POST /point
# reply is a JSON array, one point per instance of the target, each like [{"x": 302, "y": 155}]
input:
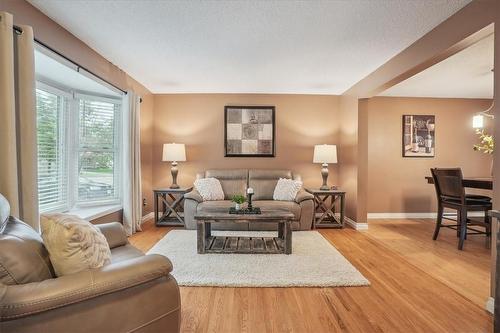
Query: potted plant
[{"x": 238, "y": 200}]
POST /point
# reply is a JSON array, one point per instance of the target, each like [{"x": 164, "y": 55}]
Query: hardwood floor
[
  {"x": 467, "y": 272},
  {"x": 417, "y": 285}
]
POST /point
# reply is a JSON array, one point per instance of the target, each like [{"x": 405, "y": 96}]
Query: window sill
[{"x": 94, "y": 212}]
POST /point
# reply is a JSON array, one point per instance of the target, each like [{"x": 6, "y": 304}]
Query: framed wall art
[
  {"x": 419, "y": 138},
  {"x": 249, "y": 131}
]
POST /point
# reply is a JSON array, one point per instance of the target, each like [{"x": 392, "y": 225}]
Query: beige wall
[
  {"x": 467, "y": 26},
  {"x": 396, "y": 184},
  {"x": 348, "y": 153},
  {"x": 197, "y": 120}
]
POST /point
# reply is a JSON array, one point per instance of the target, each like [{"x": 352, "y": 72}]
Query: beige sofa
[
  {"x": 236, "y": 181},
  {"x": 135, "y": 293}
]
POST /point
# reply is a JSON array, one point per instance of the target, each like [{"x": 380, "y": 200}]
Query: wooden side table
[
  {"x": 171, "y": 200},
  {"x": 325, "y": 208}
]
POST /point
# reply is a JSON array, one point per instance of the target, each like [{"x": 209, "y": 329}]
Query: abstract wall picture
[
  {"x": 419, "y": 135},
  {"x": 249, "y": 131}
]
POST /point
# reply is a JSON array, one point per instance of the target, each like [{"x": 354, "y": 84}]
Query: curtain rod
[{"x": 19, "y": 30}]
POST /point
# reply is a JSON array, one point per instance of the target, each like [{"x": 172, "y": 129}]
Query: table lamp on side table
[
  {"x": 174, "y": 152},
  {"x": 325, "y": 154}
]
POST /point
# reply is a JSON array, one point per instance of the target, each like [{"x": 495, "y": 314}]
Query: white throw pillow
[
  {"x": 210, "y": 189},
  {"x": 74, "y": 244},
  {"x": 286, "y": 189}
]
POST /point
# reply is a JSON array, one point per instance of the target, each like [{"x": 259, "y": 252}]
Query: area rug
[{"x": 314, "y": 262}]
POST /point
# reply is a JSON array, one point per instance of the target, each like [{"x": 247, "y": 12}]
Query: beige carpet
[{"x": 314, "y": 262}]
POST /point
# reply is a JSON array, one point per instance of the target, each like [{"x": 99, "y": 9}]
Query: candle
[{"x": 249, "y": 190}]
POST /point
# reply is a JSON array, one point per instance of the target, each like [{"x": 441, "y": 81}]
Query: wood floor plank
[
  {"x": 467, "y": 272},
  {"x": 413, "y": 288}
]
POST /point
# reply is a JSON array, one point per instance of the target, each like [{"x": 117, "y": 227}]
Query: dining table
[{"x": 484, "y": 183}]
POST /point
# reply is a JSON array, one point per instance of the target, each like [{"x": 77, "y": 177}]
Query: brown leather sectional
[{"x": 135, "y": 293}]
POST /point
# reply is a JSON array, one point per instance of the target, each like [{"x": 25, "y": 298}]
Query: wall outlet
[{"x": 144, "y": 202}]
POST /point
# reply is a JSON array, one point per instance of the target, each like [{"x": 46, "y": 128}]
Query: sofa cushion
[
  {"x": 215, "y": 206},
  {"x": 74, "y": 244},
  {"x": 209, "y": 189},
  {"x": 286, "y": 189},
  {"x": 233, "y": 181},
  {"x": 263, "y": 182},
  {"x": 23, "y": 257},
  {"x": 289, "y": 206},
  {"x": 125, "y": 252}
]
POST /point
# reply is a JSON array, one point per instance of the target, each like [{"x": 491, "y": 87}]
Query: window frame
[
  {"x": 40, "y": 85},
  {"x": 71, "y": 124},
  {"x": 117, "y": 148}
]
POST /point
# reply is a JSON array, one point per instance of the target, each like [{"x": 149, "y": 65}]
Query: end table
[
  {"x": 171, "y": 200},
  {"x": 325, "y": 211}
]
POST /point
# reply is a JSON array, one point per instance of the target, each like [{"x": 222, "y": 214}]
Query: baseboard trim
[
  {"x": 355, "y": 225},
  {"x": 147, "y": 217},
  {"x": 412, "y": 215},
  {"x": 490, "y": 305}
]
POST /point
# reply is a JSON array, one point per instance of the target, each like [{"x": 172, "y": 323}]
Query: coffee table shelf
[{"x": 235, "y": 244}]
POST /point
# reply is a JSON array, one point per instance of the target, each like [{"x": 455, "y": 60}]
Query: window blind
[
  {"x": 98, "y": 150},
  {"x": 52, "y": 166}
]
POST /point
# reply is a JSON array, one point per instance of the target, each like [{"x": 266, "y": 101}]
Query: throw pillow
[
  {"x": 210, "y": 189},
  {"x": 286, "y": 189},
  {"x": 74, "y": 244}
]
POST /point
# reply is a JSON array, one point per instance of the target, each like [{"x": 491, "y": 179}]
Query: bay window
[{"x": 79, "y": 157}]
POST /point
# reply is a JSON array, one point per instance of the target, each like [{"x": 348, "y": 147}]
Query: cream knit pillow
[
  {"x": 74, "y": 244},
  {"x": 209, "y": 188},
  {"x": 286, "y": 189}
]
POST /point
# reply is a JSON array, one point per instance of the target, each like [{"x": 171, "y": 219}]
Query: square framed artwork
[
  {"x": 419, "y": 135},
  {"x": 249, "y": 131}
]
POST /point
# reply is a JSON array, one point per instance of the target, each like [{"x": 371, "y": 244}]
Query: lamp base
[
  {"x": 324, "y": 175},
  {"x": 174, "y": 172}
]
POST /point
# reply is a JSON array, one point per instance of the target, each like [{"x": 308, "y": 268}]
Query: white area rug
[{"x": 314, "y": 262}]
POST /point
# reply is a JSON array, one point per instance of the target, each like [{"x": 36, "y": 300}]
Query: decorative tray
[{"x": 245, "y": 211}]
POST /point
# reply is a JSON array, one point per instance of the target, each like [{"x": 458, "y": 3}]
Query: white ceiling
[
  {"x": 313, "y": 47},
  {"x": 51, "y": 71},
  {"x": 466, "y": 74}
]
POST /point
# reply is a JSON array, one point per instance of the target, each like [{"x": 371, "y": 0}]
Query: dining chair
[{"x": 451, "y": 194}]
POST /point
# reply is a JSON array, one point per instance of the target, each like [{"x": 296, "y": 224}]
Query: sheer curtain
[
  {"x": 18, "y": 143},
  {"x": 132, "y": 192}
]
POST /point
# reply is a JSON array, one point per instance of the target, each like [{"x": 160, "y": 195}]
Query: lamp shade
[
  {"x": 478, "y": 121},
  {"x": 325, "y": 154},
  {"x": 174, "y": 152}
]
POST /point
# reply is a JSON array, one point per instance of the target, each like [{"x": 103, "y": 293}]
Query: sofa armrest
[
  {"x": 17, "y": 301},
  {"x": 114, "y": 233},
  {"x": 303, "y": 195},
  {"x": 193, "y": 195}
]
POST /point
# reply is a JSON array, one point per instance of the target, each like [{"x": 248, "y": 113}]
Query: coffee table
[{"x": 243, "y": 244}]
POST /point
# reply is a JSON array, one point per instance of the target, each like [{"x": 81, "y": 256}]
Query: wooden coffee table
[{"x": 240, "y": 244}]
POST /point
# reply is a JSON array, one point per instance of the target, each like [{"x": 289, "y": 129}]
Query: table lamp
[
  {"x": 325, "y": 154},
  {"x": 174, "y": 152}
]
